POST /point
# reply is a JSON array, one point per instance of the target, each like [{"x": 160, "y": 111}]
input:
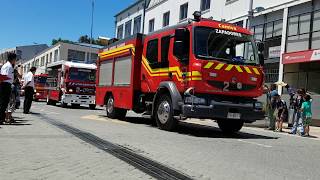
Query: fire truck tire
[
  {"x": 113, "y": 112},
  {"x": 49, "y": 101},
  {"x": 92, "y": 106},
  {"x": 63, "y": 104},
  {"x": 75, "y": 105},
  {"x": 230, "y": 126},
  {"x": 164, "y": 113}
]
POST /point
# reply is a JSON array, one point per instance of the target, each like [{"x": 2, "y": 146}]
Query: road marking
[
  {"x": 254, "y": 143},
  {"x": 98, "y": 118}
]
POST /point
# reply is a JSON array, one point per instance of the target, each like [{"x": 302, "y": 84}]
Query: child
[
  {"x": 306, "y": 114},
  {"x": 282, "y": 114}
]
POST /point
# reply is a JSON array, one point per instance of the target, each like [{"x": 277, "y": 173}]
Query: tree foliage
[{"x": 83, "y": 39}]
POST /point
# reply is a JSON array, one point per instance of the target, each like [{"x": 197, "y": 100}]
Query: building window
[
  {"x": 298, "y": 32},
  {"x": 42, "y": 61},
  {"x": 137, "y": 25},
  {"x": 74, "y": 55},
  {"x": 152, "y": 53},
  {"x": 315, "y": 44},
  {"x": 151, "y": 25},
  {"x": 183, "y": 11},
  {"x": 94, "y": 57},
  {"x": 127, "y": 29},
  {"x": 47, "y": 59},
  {"x": 205, "y": 5},
  {"x": 120, "y": 32},
  {"x": 55, "y": 58},
  {"x": 50, "y": 58},
  {"x": 166, "y": 19}
]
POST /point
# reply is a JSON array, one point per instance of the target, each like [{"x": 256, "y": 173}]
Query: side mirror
[
  {"x": 261, "y": 59},
  {"x": 181, "y": 44},
  {"x": 180, "y": 34},
  {"x": 178, "y": 49},
  {"x": 260, "y": 46}
]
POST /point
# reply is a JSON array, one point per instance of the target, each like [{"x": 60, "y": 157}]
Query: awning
[{"x": 301, "y": 56}]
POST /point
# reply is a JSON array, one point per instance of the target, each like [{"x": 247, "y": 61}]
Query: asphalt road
[{"x": 199, "y": 149}]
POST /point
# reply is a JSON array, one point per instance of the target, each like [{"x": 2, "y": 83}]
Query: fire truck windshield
[
  {"x": 40, "y": 80},
  {"x": 82, "y": 74},
  {"x": 223, "y": 45}
]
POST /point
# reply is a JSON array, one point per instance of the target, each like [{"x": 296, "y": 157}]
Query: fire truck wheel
[
  {"x": 92, "y": 106},
  {"x": 230, "y": 126},
  {"x": 63, "y": 104},
  {"x": 49, "y": 102},
  {"x": 113, "y": 112},
  {"x": 164, "y": 114},
  {"x": 75, "y": 105}
]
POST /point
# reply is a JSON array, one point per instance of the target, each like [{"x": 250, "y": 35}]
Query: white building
[
  {"x": 62, "y": 52},
  {"x": 130, "y": 20},
  {"x": 269, "y": 25},
  {"x": 290, "y": 30}
]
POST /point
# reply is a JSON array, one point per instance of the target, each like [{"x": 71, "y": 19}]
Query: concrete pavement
[
  {"x": 34, "y": 149},
  {"x": 197, "y": 148}
]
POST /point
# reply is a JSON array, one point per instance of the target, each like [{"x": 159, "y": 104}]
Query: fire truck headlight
[
  {"x": 70, "y": 90},
  {"x": 35, "y": 91},
  {"x": 195, "y": 100},
  {"x": 38, "y": 94},
  {"x": 254, "y": 79},
  {"x": 258, "y": 105}
]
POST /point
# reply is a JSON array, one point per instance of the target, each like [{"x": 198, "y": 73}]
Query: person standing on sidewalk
[
  {"x": 5, "y": 86},
  {"x": 271, "y": 106},
  {"x": 28, "y": 90},
  {"x": 306, "y": 114},
  {"x": 282, "y": 114},
  {"x": 298, "y": 122}
]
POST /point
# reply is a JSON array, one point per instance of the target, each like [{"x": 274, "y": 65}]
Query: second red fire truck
[
  {"x": 71, "y": 83},
  {"x": 40, "y": 83},
  {"x": 198, "y": 69}
]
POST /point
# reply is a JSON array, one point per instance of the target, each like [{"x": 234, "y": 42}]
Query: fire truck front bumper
[
  {"x": 78, "y": 99},
  {"x": 248, "y": 112}
]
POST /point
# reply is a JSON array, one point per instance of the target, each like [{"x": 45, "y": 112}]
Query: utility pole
[
  {"x": 250, "y": 14},
  {"x": 92, "y": 13}
]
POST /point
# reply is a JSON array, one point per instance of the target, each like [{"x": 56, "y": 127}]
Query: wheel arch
[
  {"x": 168, "y": 87},
  {"x": 106, "y": 96}
]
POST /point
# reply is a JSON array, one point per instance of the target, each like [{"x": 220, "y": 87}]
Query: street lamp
[
  {"x": 92, "y": 13},
  {"x": 251, "y": 12}
]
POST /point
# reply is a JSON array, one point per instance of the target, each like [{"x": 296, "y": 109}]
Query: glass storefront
[{"x": 303, "y": 75}]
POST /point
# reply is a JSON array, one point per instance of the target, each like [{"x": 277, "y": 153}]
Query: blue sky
[{"x": 24, "y": 22}]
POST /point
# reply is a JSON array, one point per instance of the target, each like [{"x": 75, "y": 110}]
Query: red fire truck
[
  {"x": 199, "y": 69},
  {"x": 40, "y": 83},
  {"x": 71, "y": 83}
]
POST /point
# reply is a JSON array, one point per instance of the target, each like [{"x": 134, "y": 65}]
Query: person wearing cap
[
  {"x": 5, "y": 86},
  {"x": 28, "y": 89}
]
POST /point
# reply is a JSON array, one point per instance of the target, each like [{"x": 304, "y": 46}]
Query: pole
[
  {"x": 92, "y": 13},
  {"x": 250, "y": 14}
]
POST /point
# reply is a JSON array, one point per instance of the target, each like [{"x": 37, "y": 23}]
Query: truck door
[{"x": 164, "y": 61}]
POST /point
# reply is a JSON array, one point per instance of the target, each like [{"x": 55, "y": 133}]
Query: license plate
[{"x": 234, "y": 115}]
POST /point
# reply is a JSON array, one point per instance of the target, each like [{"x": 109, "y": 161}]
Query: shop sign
[
  {"x": 303, "y": 56},
  {"x": 274, "y": 52}
]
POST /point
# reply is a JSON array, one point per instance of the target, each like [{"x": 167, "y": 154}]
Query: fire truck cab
[
  {"x": 40, "y": 83},
  {"x": 71, "y": 83},
  {"x": 199, "y": 69}
]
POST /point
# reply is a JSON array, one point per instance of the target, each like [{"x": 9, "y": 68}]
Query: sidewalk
[
  {"x": 34, "y": 149},
  {"x": 314, "y": 130}
]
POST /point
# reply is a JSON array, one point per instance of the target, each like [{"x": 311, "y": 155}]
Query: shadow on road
[
  {"x": 18, "y": 122},
  {"x": 198, "y": 130}
]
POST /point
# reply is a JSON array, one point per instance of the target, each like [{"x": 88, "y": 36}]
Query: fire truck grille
[{"x": 232, "y": 87}]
